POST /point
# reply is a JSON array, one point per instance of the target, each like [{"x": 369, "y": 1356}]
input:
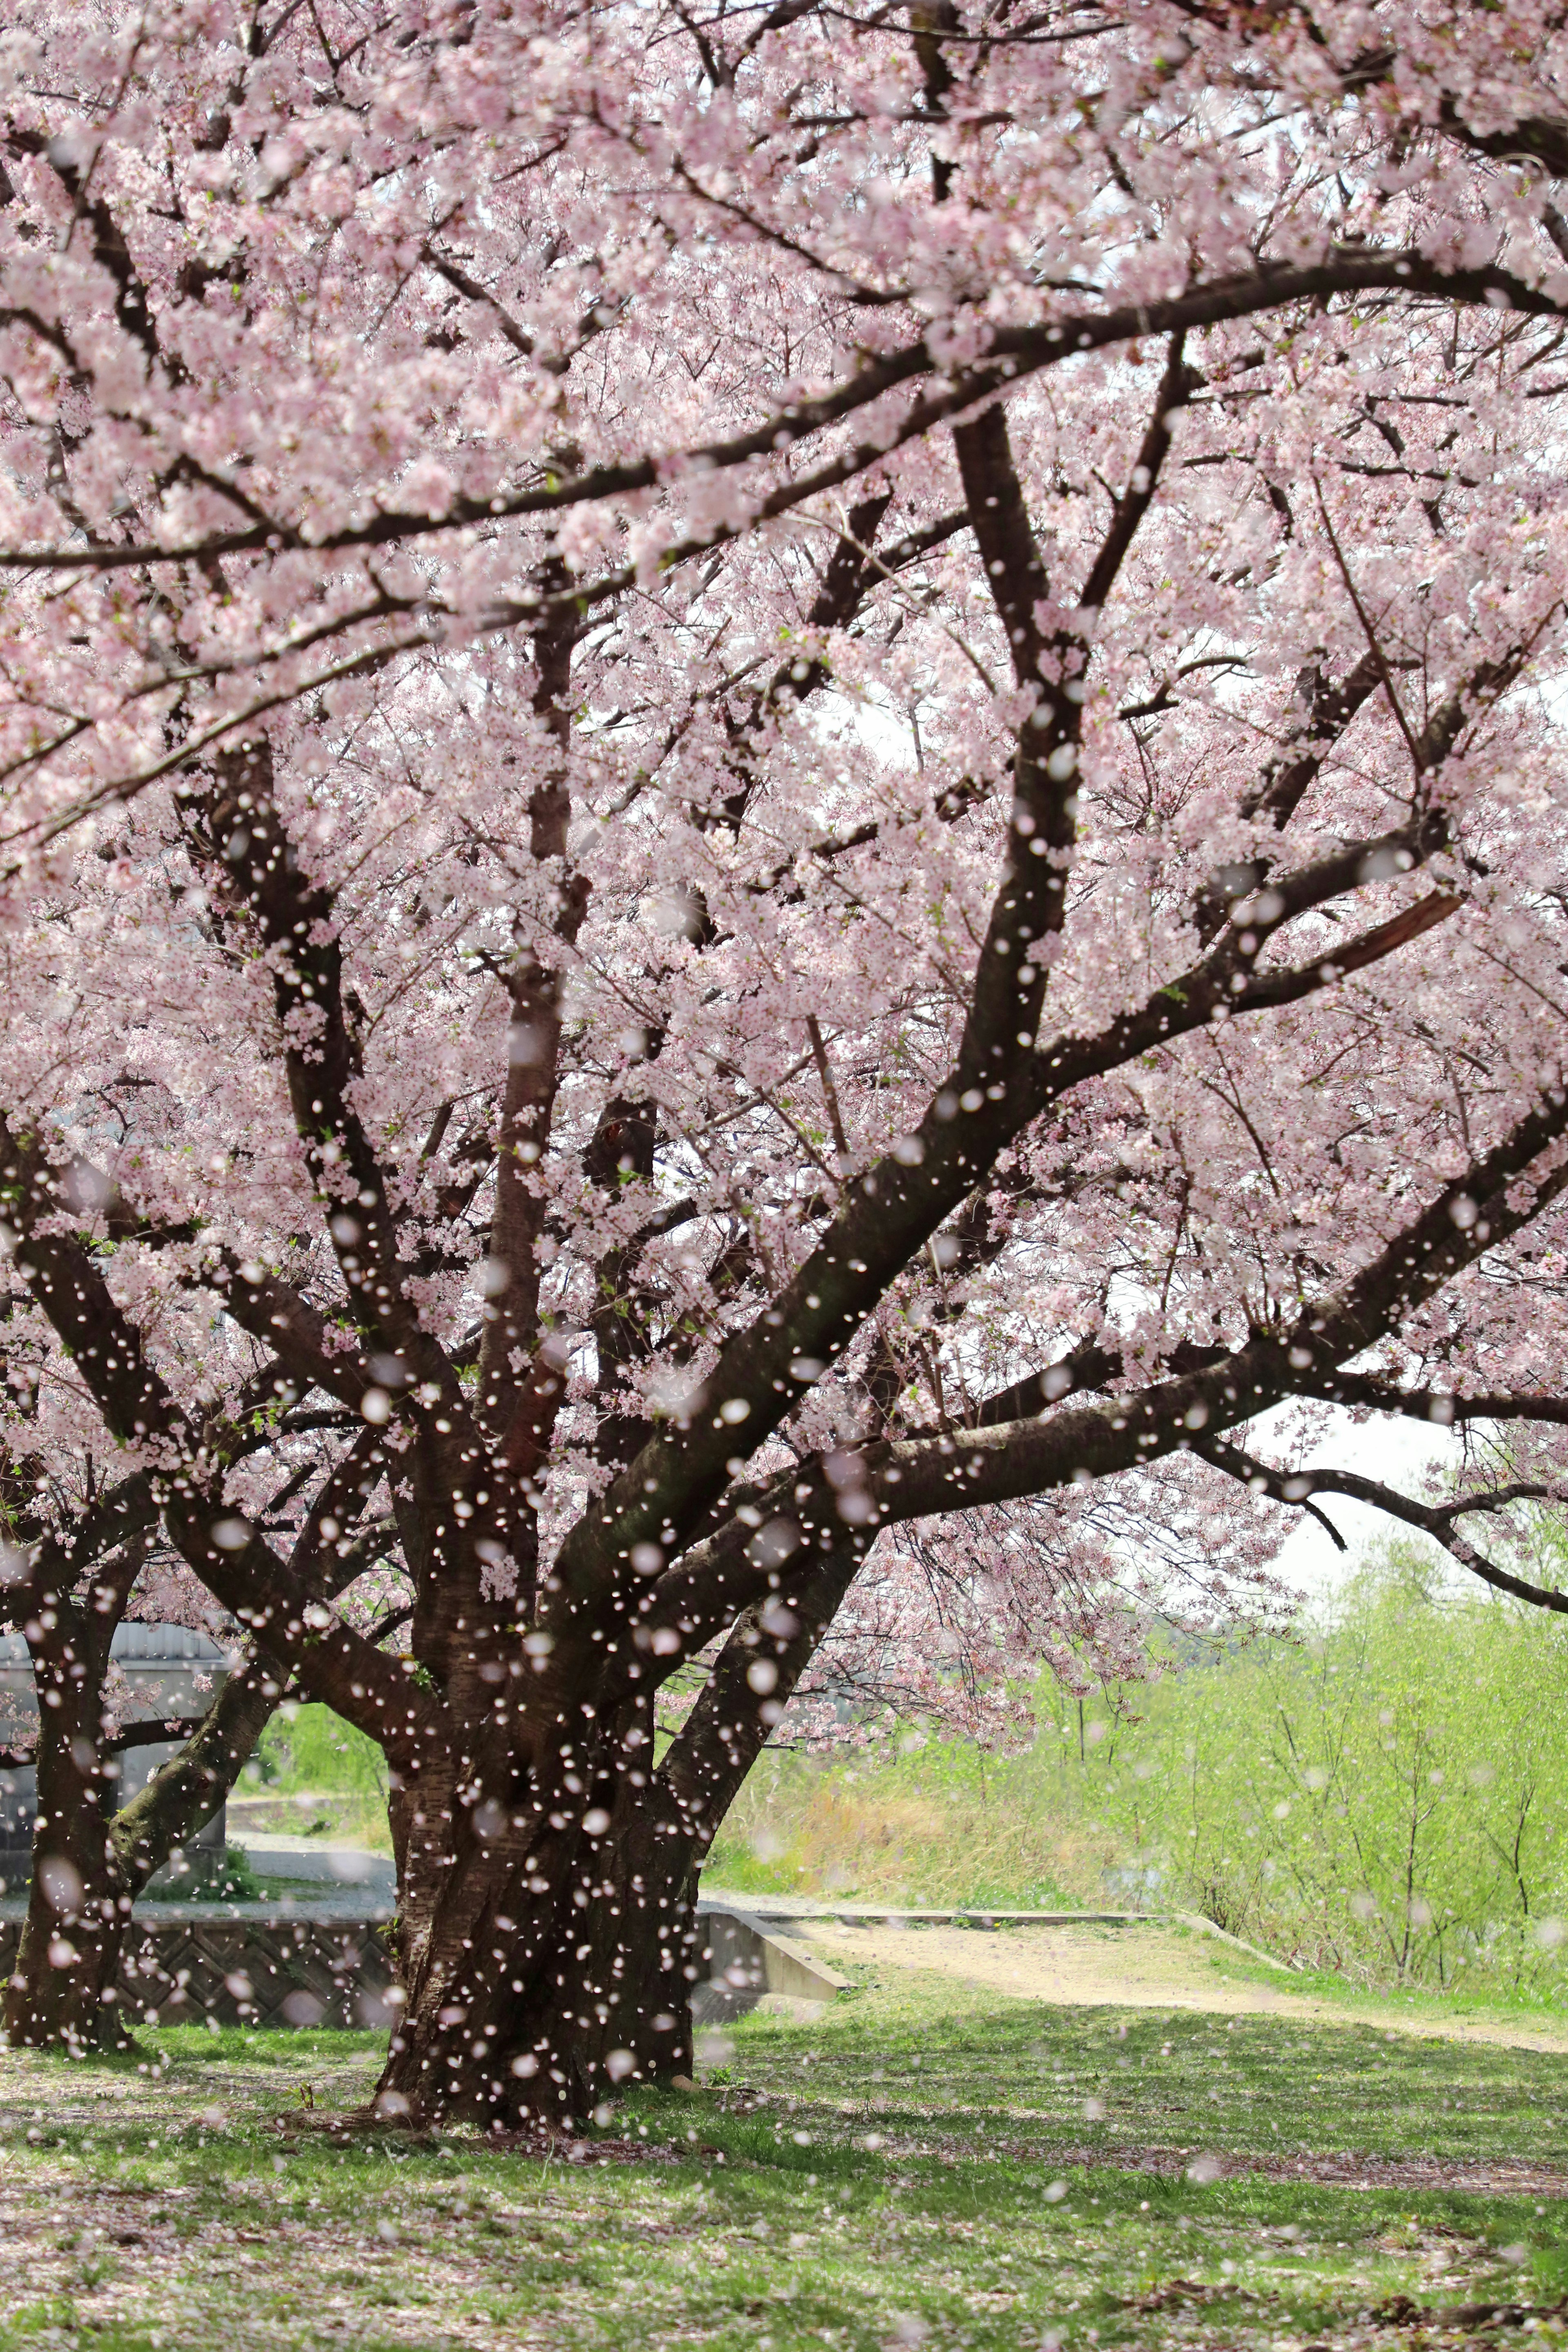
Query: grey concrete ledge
[
  {"x": 958, "y": 1914},
  {"x": 1202, "y": 1926},
  {"x": 346, "y": 1910},
  {"x": 303, "y": 1860},
  {"x": 801, "y": 1907},
  {"x": 748, "y": 1963}
]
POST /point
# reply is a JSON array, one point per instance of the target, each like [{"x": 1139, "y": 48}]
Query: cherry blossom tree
[
  {"x": 84, "y": 1553},
  {"x": 797, "y": 779}
]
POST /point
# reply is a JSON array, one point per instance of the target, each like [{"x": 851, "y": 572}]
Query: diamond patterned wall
[{"x": 256, "y": 1972}]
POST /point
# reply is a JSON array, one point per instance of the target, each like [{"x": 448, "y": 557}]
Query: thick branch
[
  {"x": 927, "y": 1476},
  {"x": 184, "y": 1793},
  {"x": 240, "y": 840},
  {"x": 1295, "y": 1488},
  {"x": 900, "y": 1204},
  {"x": 337, "y": 1665},
  {"x": 1013, "y": 353},
  {"x": 511, "y": 1405},
  {"x": 1443, "y": 1406},
  {"x": 769, "y": 1648}
]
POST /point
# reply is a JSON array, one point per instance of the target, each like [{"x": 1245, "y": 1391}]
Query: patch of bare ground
[
  {"x": 1137, "y": 1968},
  {"x": 119, "y": 2257}
]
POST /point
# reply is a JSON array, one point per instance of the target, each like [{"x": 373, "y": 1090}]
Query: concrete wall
[
  {"x": 171, "y": 1671},
  {"x": 746, "y": 1959},
  {"x": 242, "y": 1964},
  {"x": 320, "y": 1963}
]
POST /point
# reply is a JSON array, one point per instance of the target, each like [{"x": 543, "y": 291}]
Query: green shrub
[
  {"x": 1384, "y": 1793},
  {"x": 233, "y": 1882}
]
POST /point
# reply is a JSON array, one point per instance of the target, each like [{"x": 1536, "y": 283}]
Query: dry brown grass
[{"x": 822, "y": 1833}]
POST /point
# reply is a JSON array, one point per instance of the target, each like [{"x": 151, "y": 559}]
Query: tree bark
[
  {"x": 542, "y": 1969},
  {"x": 184, "y": 1793},
  {"x": 90, "y": 1862},
  {"x": 78, "y": 1902},
  {"x": 547, "y": 1965}
]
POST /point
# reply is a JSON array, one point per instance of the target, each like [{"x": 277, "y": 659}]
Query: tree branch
[
  {"x": 1297, "y": 1488},
  {"x": 928, "y": 1475},
  {"x": 1013, "y": 354},
  {"x": 1442, "y": 1406},
  {"x": 681, "y": 1473},
  {"x": 185, "y": 1480}
]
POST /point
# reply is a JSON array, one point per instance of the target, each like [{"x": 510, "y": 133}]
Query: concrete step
[{"x": 307, "y": 1862}]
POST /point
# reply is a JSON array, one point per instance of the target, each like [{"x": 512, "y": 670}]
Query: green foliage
[
  {"x": 1384, "y": 1795},
  {"x": 933, "y": 1821},
  {"x": 309, "y": 1752},
  {"x": 309, "y": 1747},
  {"x": 234, "y": 1882}
]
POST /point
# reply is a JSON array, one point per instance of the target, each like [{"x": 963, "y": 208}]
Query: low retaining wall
[
  {"x": 249, "y": 1964},
  {"x": 746, "y": 1959},
  {"x": 303, "y": 1962},
  {"x": 316, "y": 1963},
  {"x": 779, "y": 1909},
  {"x": 301, "y": 1863}
]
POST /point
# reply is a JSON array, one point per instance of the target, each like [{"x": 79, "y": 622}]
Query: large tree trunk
[
  {"x": 549, "y": 1963},
  {"x": 542, "y": 1966}
]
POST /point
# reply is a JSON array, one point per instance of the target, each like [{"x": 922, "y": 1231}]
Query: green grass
[
  {"x": 1486, "y": 2002},
  {"x": 309, "y": 1751},
  {"x": 916, "y": 2167}
]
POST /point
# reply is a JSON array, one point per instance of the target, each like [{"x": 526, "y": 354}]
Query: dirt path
[{"x": 1133, "y": 1967}]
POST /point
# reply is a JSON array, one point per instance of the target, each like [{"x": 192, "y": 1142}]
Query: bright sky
[{"x": 1395, "y": 1452}]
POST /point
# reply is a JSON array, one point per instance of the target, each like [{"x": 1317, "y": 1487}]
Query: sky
[{"x": 1395, "y": 1452}]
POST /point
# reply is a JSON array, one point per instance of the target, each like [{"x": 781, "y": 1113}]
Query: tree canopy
[{"x": 788, "y": 785}]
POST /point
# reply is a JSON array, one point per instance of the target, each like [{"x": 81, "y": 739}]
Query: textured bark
[
  {"x": 550, "y": 1963},
  {"x": 90, "y": 1862},
  {"x": 182, "y": 1796},
  {"x": 543, "y": 1969},
  {"x": 78, "y": 1902}
]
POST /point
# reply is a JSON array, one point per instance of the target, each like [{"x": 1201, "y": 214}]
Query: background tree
[
  {"x": 85, "y": 1553},
  {"x": 821, "y": 765},
  {"x": 1381, "y": 1794}
]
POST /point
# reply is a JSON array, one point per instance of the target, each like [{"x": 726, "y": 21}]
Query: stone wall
[
  {"x": 245, "y": 1964},
  {"x": 316, "y": 1963}
]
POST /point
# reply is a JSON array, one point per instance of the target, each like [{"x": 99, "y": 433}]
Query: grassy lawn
[{"x": 920, "y": 2166}]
